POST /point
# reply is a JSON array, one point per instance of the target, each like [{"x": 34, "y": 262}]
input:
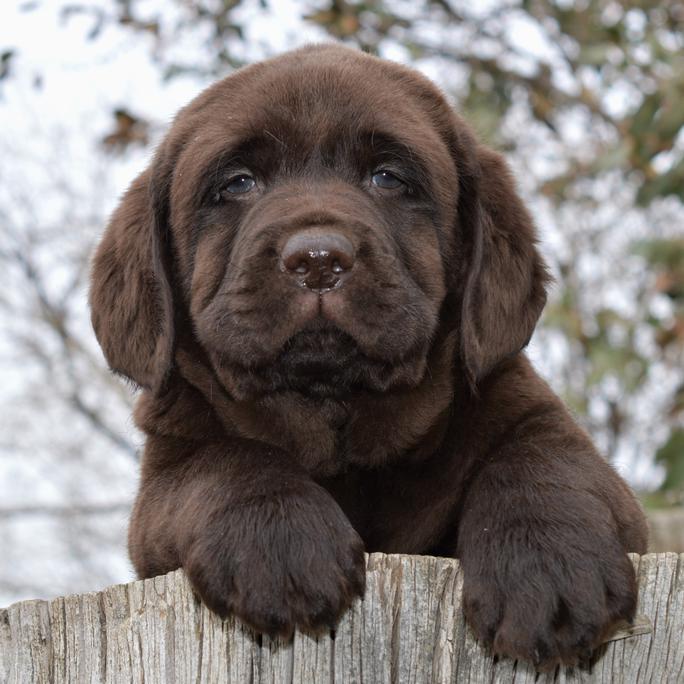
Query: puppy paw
[
  {"x": 550, "y": 606},
  {"x": 280, "y": 562}
]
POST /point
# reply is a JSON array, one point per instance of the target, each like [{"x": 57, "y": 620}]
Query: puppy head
[{"x": 317, "y": 223}]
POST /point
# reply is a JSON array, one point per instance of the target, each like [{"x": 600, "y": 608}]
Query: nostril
[
  {"x": 296, "y": 260},
  {"x": 342, "y": 259}
]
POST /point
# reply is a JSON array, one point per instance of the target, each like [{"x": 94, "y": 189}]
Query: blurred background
[{"x": 585, "y": 98}]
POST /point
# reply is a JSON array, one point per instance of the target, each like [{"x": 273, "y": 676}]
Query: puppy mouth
[
  {"x": 319, "y": 360},
  {"x": 322, "y": 361}
]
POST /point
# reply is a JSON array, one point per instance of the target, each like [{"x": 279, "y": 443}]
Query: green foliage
[
  {"x": 671, "y": 456},
  {"x": 666, "y": 258}
]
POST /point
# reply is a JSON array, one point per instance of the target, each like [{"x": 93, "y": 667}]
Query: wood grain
[{"x": 408, "y": 628}]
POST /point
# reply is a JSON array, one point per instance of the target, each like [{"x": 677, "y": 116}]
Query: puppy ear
[
  {"x": 505, "y": 284},
  {"x": 130, "y": 294}
]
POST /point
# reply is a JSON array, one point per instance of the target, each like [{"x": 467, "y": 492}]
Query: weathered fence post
[{"x": 408, "y": 628}]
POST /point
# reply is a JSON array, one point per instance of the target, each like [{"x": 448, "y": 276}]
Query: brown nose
[{"x": 318, "y": 260}]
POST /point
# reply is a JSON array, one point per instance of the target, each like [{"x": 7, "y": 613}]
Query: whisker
[{"x": 241, "y": 291}]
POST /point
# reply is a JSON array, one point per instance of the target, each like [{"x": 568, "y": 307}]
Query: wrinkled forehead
[{"x": 317, "y": 101}]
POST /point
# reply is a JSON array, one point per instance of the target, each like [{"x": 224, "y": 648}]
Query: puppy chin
[{"x": 320, "y": 362}]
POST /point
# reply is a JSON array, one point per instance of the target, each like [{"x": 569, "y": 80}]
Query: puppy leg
[
  {"x": 543, "y": 539},
  {"x": 255, "y": 535}
]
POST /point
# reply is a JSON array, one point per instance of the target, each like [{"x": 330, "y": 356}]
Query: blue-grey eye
[
  {"x": 239, "y": 185},
  {"x": 386, "y": 180}
]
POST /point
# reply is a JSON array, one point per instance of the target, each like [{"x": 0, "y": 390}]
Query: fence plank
[{"x": 409, "y": 628}]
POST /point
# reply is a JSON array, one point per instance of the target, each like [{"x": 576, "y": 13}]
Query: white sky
[{"x": 83, "y": 81}]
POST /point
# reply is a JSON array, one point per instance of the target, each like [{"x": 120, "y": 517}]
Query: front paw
[
  {"x": 549, "y": 604},
  {"x": 279, "y": 562}
]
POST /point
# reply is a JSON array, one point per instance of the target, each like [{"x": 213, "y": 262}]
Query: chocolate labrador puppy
[{"x": 323, "y": 284}]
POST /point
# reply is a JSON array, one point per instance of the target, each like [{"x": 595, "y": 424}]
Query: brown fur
[{"x": 287, "y": 429}]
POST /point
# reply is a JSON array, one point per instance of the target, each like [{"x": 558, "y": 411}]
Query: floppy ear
[
  {"x": 505, "y": 285},
  {"x": 130, "y": 294}
]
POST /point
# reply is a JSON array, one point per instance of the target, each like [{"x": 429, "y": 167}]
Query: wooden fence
[{"x": 408, "y": 628}]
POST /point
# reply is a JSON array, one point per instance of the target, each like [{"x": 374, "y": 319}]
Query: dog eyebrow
[
  {"x": 388, "y": 147},
  {"x": 387, "y": 142},
  {"x": 282, "y": 143},
  {"x": 241, "y": 151},
  {"x": 237, "y": 156},
  {"x": 395, "y": 139}
]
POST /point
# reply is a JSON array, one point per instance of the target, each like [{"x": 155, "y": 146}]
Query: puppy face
[
  {"x": 291, "y": 161},
  {"x": 317, "y": 222}
]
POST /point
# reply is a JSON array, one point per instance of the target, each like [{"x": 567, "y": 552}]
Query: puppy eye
[
  {"x": 386, "y": 180},
  {"x": 239, "y": 185}
]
